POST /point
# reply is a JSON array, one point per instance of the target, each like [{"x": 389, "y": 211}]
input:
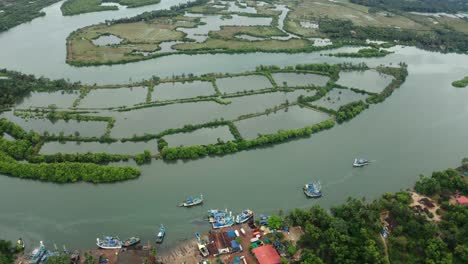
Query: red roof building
[
  {"x": 462, "y": 200},
  {"x": 266, "y": 255}
]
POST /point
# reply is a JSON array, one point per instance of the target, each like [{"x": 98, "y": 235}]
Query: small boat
[
  {"x": 360, "y": 162},
  {"x": 37, "y": 254},
  {"x": 20, "y": 244},
  {"x": 161, "y": 234},
  {"x": 192, "y": 201},
  {"x": 131, "y": 242},
  {"x": 201, "y": 246},
  {"x": 109, "y": 243},
  {"x": 203, "y": 250},
  {"x": 313, "y": 190},
  {"x": 244, "y": 216}
]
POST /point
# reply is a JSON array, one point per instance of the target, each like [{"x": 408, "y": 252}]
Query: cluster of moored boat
[
  {"x": 40, "y": 255},
  {"x": 111, "y": 242}
]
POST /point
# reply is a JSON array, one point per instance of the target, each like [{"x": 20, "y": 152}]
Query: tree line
[
  {"x": 350, "y": 233},
  {"x": 16, "y": 86},
  {"x": 223, "y": 148}
]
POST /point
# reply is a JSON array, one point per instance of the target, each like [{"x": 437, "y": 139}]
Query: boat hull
[
  {"x": 190, "y": 204},
  {"x": 313, "y": 195},
  {"x": 130, "y": 243}
]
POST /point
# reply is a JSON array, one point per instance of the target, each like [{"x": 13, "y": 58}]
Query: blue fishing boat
[
  {"x": 109, "y": 242},
  {"x": 189, "y": 202},
  {"x": 37, "y": 254},
  {"x": 313, "y": 190},
  {"x": 360, "y": 162},
  {"x": 213, "y": 214},
  {"x": 161, "y": 234},
  {"x": 224, "y": 221},
  {"x": 244, "y": 216}
]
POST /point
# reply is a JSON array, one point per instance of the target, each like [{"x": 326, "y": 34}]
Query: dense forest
[
  {"x": 429, "y": 6},
  {"x": 13, "y": 153},
  {"x": 16, "y": 12},
  {"x": 350, "y": 233},
  {"x": 15, "y": 85}
]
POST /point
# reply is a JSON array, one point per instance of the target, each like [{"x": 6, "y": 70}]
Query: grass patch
[
  {"x": 230, "y": 32},
  {"x": 246, "y": 46},
  {"x": 137, "y": 36}
]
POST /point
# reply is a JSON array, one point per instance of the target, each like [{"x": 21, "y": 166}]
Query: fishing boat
[
  {"x": 47, "y": 255},
  {"x": 202, "y": 246},
  {"x": 360, "y": 162},
  {"x": 37, "y": 254},
  {"x": 203, "y": 250},
  {"x": 224, "y": 221},
  {"x": 313, "y": 190},
  {"x": 131, "y": 242},
  {"x": 244, "y": 216},
  {"x": 161, "y": 234},
  {"x": 109, "y": 243},
  {"x": 213, "y": 214},
  {"x": 189, "y": 202},
  {"x": 20, "y": 244}
]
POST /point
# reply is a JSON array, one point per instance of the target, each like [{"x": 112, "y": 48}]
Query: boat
[
  {"x": 203, "y": 250},
  {"x": 313, "y": 190},
  {"x": 109, "y": 242},
  {"x": 360, "y": 162},
  {"x": 224, "y": 221},
  {"x": 245, "y": 216},
  {"x": 131, "y": 242},
  {"x": 189, "y": 202},
  {"x": 20, "y": 244},
  {"x": 37, "y": 254},
  {"x": 202, "y": 246},
  {"x": 213, "y": 214},
  {"x": 161, "y": 234}
]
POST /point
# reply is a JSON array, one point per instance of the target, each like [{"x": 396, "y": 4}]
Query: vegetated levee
[
  {"x": 75, "y": 7},
  {"x": 227, "y": 31},
  {"x": 228, "y": 109},
  {"x": 461, "y": 83}
]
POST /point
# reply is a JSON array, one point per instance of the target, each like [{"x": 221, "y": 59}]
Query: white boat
[
  {"x": 360, "y": 162},
  {"x": 109, "y": 243}
]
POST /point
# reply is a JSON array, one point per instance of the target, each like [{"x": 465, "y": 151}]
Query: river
[{"x": 421, "y": 128}]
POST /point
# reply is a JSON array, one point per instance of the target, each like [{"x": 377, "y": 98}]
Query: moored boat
[
  {"x": 213, "y": 214},
  {"x": 202, "y": 246},
  {"x": 224, "y": 221},
  {"x": 360, "y": 162},
  {"x": 109, "y": 242},
  {"x": 189, "y": 202},
  {"x": 20, "y": 244},
  {"x": 313, "y": 190},
  {"x": 37, "y": 254},
  {"x": 244, "y": 216},
  {"x": 161, "y": 234},
  {"x": 131, "y": 241}
]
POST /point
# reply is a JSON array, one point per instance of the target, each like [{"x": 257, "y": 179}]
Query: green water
[{"x": 421, "y": 128}]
